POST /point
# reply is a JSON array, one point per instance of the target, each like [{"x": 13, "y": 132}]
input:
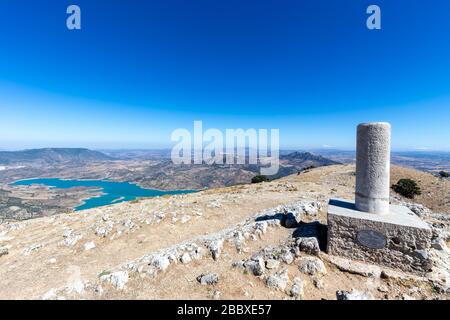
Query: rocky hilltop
[{"x": 252, "y": 241}]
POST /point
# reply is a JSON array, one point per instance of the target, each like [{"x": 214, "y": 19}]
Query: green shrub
[
  {"x": 407, "y": 188},
  {"x": 444, "y": 174},
  {"x": 258, "y": 179}
]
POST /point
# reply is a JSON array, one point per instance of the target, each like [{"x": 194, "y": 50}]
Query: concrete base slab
[{"x": 398, "y": 239}]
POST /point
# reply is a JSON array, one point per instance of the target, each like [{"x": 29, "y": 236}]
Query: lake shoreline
[{"x": 107, "y": 192}]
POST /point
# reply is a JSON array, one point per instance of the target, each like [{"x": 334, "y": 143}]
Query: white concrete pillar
[{"x": 373, "y": 152}]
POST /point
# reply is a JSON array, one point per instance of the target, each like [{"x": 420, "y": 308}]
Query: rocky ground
[
  {"x": 28, "y": 202},
  {"x": 260, "y": 241}
]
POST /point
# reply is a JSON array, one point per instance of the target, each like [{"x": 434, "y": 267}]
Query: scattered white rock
[
  {"x": 312, "y": 266},
  {"x": 216, "y": 295},
  {"x": 89, "y": 245},
  {"x": 309, "y": 245},
  {"x": 278, "y": 280},
  {"x": 71, "y": 239},
  {"x": 76, "y": 286},
  {"x": 67, "y": 233},
  {"x": 52, "y": 261},
  {"x": 161, "y": 262},
  {"x": 98, "y": 290},
  {"x": 353, "y": 295},
  {"x": 439, "y": 244},
  {"x": 214, "y": 204},
  {"x": 185, "y": 219},
  {"x": 287, "y": 257},
  {"x": 318, "y": 283},
  {"x": 398, "y": 275},
  {"x": 197, "y": 253},
  {"x": 104, "y": 230},
  {"x": 118, "y": 279},
  {"x": 272, "y": 264},
  {"x": 29, "y": 250},
  {"x": 261, "y": 226},
  {"x": 215, "y": 247},
  {"x": 383, "y": 288},
  {"x": 128, "y": 223},
  {"x": 312, "y": 208},
  {"x": 208, "y": 278},
  {"x": 297, "y": 288},
  {"x": 418, "y": 209},
  {"x": 3, "y": 251},
  {"x": 49, "y": 295},
  {"x": 255, "y": 266},
  {"x": 185, "y": 258}
]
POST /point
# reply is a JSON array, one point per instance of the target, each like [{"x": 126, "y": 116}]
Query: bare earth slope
[{"x": 156, "y": 248}]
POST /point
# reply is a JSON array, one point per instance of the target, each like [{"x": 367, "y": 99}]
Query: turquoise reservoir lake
[{"x": 112, "y": 192}]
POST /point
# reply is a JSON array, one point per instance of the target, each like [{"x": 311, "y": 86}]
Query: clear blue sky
[{"x": 139, "y": 69}]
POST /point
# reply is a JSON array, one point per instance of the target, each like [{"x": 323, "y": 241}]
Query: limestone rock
[
  {"x": 128, "y": 223},
  {"x": 255, "y": 266},
  {"x": 185, "y": 219},
  {"x": 89, "y": 245},
  {"x": 418, "y": 209},
  {"x": 287, "y": 257},
  {"x": 71, "y": 238},
  {"x": 312, "y": 266},
  {"x": 383, "y": 288},
  {"x": 76, "y": 286},
  {"x": 278, "y": 280},
  {"x": 208, "y": 278},
  {"x": 318, "y": 283},
  {"x": 309, "y": 245},
  {"x": 118, "y": 279},
  {"x": 215, "y": 247},
  {"x": 103, "y": 230},
  {"x": 161, "y": 262},
  {"x": 49, "y": 295},
  {"x": 353, "y": 295},
  {"x": 29, "y": 250},
  {"x": 439, "y": 244},
  {"x": 293, "y": 214},
  {"x": 356, "y": 267},
  {"x": 297, "y": 289},
  {"x": 272, "y": 264},
  {"x": 3, "y": 251},
  {"x": 185, "y": 258},
  {"x": 312, "y": 208}
]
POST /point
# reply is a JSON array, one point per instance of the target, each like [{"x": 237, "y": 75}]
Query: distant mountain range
[
  {"x": 52, "y": 155},
  {"x": 302, "y": 157},
  {"x": 150, "y": 169}
]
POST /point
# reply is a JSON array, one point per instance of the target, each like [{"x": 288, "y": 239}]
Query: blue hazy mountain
[{"x": 52, "y": 155}]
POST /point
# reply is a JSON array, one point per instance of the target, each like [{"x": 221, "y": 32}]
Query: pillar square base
[{"x": 398, "y": 239}]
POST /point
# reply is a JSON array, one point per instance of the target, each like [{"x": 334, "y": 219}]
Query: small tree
[
  {"x": 407, "y": 188},
  {"x": 444, "y": 174},
  {"x": 259, "y": 178}
]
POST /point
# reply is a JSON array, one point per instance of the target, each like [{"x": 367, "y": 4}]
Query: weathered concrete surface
[
  {"x": 373, "y": 149},
  {"x": 399, "y": 239}
]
